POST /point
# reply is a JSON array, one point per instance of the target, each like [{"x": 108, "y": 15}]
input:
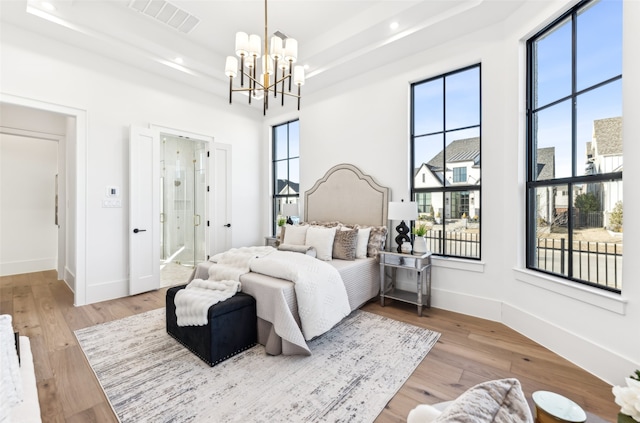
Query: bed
[{"x": 355, "y": 200}]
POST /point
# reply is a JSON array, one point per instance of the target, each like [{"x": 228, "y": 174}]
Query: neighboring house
[
  {"x": 462, "y": 167},
  {"x": 286, "y": 187},
  {"x": 546, "y": 203},
  {"x": 604, "y": 155}
]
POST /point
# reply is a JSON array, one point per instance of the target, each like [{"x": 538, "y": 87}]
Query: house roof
[
  {"x": 607, "y": 136},
  {"x": 546, "y": 163},
  {"x": 281, "y": 184},
  {"x": 458, "y": 151}
]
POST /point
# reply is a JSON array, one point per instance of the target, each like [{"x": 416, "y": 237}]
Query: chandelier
[{"x": 277, "y": 72}]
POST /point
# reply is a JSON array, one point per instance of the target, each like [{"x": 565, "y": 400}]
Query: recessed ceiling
[{"x": 338, "y": 39}]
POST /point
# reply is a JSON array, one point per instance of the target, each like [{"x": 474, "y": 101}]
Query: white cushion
[
  {"x": 363, "y": 241},
  {"x": 321, "y": 239},
  {"x": 295, "y": 235},
  {"x": 423, "y": 413}
]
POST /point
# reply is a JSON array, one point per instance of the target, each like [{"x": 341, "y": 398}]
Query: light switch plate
[{"x": 109, "y": 203}]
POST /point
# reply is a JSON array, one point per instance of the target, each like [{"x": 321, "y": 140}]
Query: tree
[
  {"x": 587, "y": 203},
  {"x": 615, "y": 219}
]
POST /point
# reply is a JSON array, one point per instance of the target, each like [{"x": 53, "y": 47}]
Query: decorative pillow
[
  {"x": 363, "y": 240},
  {"x": 499, "y": 401},
  {"x": 344, "y": 244},
  {"x": 295, "y": 234},
  {"x": 377, "y": 239},
  {"x": 321, "y": 239},
  {"x": 310, "y": 251},
  {"x": 332, "y": 224}
]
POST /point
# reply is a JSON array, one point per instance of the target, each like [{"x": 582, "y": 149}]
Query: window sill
[
  {"x": 594, "y": 296},
  {"x": 458, "y": 264}
]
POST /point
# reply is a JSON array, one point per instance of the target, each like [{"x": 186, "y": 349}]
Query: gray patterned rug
[{"x": 355, "y": 369}]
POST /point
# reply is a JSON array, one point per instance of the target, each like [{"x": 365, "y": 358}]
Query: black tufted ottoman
[{"x": 231, "y": 328}]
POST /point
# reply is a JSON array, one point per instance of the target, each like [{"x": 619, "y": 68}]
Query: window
[
  {"x": 445, "y": 152},
  {"x": 286, "y": 168},
  {"x": 574, "y": 146},
  {"x": 459, "y": 174}
]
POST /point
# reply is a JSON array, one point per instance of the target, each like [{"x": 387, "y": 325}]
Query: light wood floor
[{"x": 469, "y": 351}]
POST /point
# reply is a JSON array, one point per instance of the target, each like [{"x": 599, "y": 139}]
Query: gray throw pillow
[
  {"x": 344, "y": 244},
  {"x": 499, "y": 401}
]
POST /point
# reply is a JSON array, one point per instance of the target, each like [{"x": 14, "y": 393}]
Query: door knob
[
  {"x": 136, "y": 230},
  {"x": 228, "y": 225}
]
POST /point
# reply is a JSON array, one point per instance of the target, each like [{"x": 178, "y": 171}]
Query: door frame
[{"x": 76, "y": 177}]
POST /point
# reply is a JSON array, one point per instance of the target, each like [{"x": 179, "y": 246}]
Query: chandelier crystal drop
[{"x": 274, "y": 73}]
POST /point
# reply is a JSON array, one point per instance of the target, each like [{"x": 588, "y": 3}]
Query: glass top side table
[
  {"x": 553, "y": 408},
  {"x": 420, "y": 263}
]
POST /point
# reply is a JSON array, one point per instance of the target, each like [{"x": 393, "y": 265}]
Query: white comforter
[{"x": 320, "y": 292}]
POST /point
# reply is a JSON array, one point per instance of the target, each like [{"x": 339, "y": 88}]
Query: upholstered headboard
[{"x": 347, "y": 195}]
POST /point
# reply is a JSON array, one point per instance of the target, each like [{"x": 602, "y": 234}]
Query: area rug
[{"x": 354, "y": 370}]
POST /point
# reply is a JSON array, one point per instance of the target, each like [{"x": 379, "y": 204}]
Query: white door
[
  {"x": 144, "y": 210},
  {"x": 221, "y": 199}
]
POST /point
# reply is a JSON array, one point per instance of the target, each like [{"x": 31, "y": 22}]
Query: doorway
[{"x": 183, "y": 206}]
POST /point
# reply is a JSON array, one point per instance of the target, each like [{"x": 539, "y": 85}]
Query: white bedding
[
  {"x": 279, "y": 326},
  {"x": 320, "y": 292}
]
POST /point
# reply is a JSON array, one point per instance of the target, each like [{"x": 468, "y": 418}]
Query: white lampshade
[
  {"x": 231, "y": 67},
  {"x": 276, "y": 51},
  {"x": 403, "y": 210},
  {"x": 242, "y": 43},
  {"x": 290, "y": 209},
  {"x": 291, "y": 50},
  {"x": 255, "y": 46},
  {"x": 298, "y": 75}
]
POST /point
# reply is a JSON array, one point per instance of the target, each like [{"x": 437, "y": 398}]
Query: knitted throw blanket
[{"x": 193, "y": 302}]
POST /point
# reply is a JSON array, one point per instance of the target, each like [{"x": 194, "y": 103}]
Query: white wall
[
  {"x": 366, "y": 122},
  {"x": 115, "y": 97},
  {"x": 29, "y": 236}
]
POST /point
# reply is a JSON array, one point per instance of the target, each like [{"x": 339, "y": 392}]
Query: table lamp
[
  {"x": 290, "y": 209},
  {"x": 399, "y": 210}
]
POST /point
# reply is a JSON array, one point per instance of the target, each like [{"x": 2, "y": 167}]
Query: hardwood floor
[{"x": 470, "y": 351}]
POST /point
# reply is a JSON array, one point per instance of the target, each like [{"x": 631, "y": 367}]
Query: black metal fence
[
  {"x": 599, "y": 263},
  {"x": 462, "y": 244}
]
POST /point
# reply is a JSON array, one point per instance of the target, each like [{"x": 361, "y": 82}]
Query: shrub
[{"x": 615, "y": 219}]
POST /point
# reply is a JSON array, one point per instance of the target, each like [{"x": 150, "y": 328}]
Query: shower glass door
[{"x": 183, "y": 200}]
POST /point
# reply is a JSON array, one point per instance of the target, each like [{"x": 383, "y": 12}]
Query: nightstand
[
  {"x": 419, "y": 263},
  {"x": 271, "y": 241}
]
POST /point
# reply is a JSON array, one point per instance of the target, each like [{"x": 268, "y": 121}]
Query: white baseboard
[
  {"x": 594, "y": 358},
  {"x": 485, "y": 308},
  {"x": 28, "y": 411},
  {"x": 70, "y": 279},
  {"x": 27, "y": 266},
  {"x": 107, "y": 291}
]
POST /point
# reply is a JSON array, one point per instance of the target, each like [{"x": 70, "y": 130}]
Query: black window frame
[
  {"x": 276, "y": 197},
  {"x": 567, "y": 182},
  {"x": 448, "y": 187}
]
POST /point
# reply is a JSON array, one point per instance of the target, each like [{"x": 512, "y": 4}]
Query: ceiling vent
[{"x": 166, "y": 13}]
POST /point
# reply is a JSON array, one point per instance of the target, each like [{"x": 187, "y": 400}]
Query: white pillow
[
  {"x": 295, "y": 235},
  {"x": 363, "y": 240},
  {"x": 321, "y": 239}
]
